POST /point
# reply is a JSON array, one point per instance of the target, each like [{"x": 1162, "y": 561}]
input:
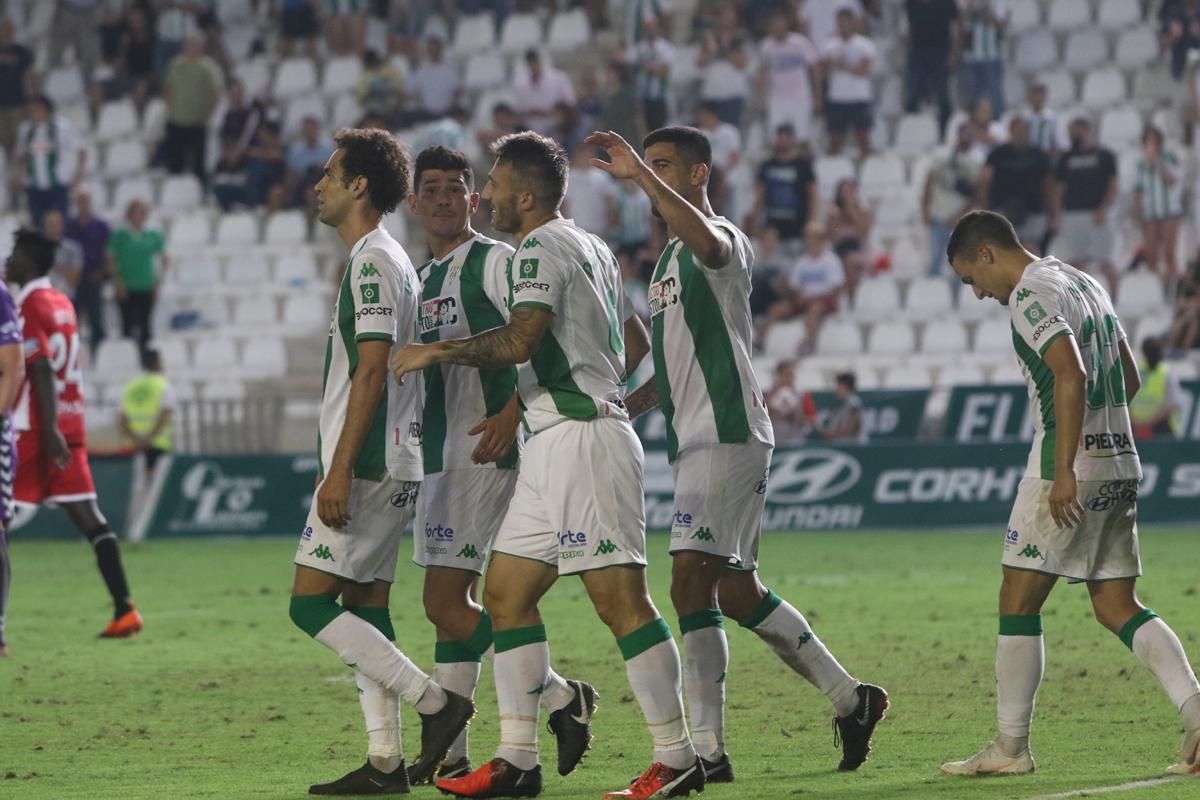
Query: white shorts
[
  {"x": 1104, "y": 546},
  {"x": 1083, "y": 240},
  {"x": 720, "y": 494},
  {"x": 579, "y": 503},
  {"x": 366, "y": 549},
  {"x": 458, "y": 514}
]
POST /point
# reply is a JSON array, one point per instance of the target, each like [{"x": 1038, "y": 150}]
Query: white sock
[
  {"x": 652, "y": 664},
  {"x": 1020, "y": 660},
  {"x": 705, "y": 662},
  {"x": 381, "y": 712},
  {"x": 460, "y": 677},
  {"x": 556, "y": 695},
  {"x": 521, "y": 668},
  {"x": 1157, "y": 646},
  {"x": 361, "y": 646},
  {"x": 787, "y": 632}
]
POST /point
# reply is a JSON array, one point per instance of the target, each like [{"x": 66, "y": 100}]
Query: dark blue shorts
[{"x": 845, "y": 117}]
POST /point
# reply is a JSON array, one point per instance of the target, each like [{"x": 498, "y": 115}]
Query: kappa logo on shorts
[
  {"x": 605, "y": 548},
  {"x": 703, "y": 534},
  {"x": 321, "y": 551},
  {"x": 1031, "y": 551},
  {"x": 468, "y": 551}
]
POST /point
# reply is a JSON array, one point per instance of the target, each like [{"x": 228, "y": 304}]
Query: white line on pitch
[{"x": 1120, "y": 787}]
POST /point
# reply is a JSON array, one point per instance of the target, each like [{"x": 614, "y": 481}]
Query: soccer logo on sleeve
[
  {"x": 370, "y": 294},
  {"x": 528, "y": 268},
  {"x": 1035, "y": 313}
]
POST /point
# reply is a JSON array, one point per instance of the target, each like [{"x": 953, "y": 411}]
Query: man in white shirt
[
  {"x": 819, "y": 17},
  {"x": 848, "y": 58},
  {"x": 591, "y": 193},
  {"x": 436, "y": 80},
  {"x": 811, "y": 289},
  {"x": 536, "y": 94},
  {"x": 790, "y": 77}
]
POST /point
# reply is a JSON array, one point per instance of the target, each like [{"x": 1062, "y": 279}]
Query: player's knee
[
  {"x": 692, "y": 591},
  {"x": 311, "y": 613}
]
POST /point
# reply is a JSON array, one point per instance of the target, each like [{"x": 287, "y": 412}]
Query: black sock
[{"x": 108, "y": 559}]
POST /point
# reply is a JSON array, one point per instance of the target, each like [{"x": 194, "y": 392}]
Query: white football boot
[{"x": 991, "y": 761}]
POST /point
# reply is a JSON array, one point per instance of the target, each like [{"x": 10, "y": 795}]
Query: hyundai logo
[{"x": 810, "y": 476}]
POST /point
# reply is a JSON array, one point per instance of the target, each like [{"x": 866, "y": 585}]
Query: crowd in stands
[{"x": 848, "y": 135}]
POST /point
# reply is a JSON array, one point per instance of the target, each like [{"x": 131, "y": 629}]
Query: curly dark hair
[
  {"x": 377, "y": 156},
  {"x": 441, "y": 157},
  {"x": 539, "y": 165},
  {"x": 40, "y": 247}
]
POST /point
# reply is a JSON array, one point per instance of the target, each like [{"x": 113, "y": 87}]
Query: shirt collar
[{"x": 31, "y": 287}]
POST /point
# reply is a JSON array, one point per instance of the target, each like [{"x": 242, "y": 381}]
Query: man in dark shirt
[
  {"x": 786, "y": 193},
  {"x": 15, "y": 85},
  {"x": 1180, "y": 32},
  {"x": 934, "y": 36},
  {"x": 1086, "y": 179},
  {"x": 1016, "y": 183},
  {"x": 92, "y": 234}
]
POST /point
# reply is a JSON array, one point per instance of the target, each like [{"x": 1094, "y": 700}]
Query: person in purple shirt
[
  {"x": 92, "y": 234},
  {"x": 12, "y": 374}
]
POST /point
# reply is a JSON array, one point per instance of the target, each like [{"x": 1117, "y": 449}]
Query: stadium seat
[
  {"x": 225, "y": 390},
  {"x": 247, "y": 271},
  {"x": 829, "y": 170},
  {"x": 123, "y": 158},
  {"x": 341, "y": 75},
  {"x": 1103, "y": 88},
  {"x": 189, "y": 231},
  {"x": 295, "y": 77},
  {"x": 237, "y": 230},
  {"x": 684, "y": 69},
  {"x": 961, "y": 374},
  {"x": 255, "y": 76},
  {"x": 520, "y": 32},
  {"x": 485, "y": 71},
  {"x": 1153, "y": 86},
  {"x": 286, "y": 227},
  {"x": 180, "y": 193},
  {"x": 891, "y": 338},
  {"x": 1120, "y": 127},
  {"x": 1136, "y": 48},
  {"x": 231, "y": 11},
  {"x": 1006, "y": 372},
  {"x": 154, "y": 120},
  {"x": 568, "y": 30},
  {"x": 1060, "y": 88},
  {"x": 890, "y": 103},
  {"x": 305, "y": 313},
  {"x": 1141, "y": 293},
  {"x": 80, "y": 117},
  {"x": 64, "y": 85},
  {"x": 1025, "y": 15},
  {"x": 253, "y": 314},
  {"x": 130, "y": 189},
  {"x": 839, "y": 337},
  {"x": 1068, "y": 15},
  {"x": 916, "y": 134},
  {"x": 307, "y": 105},
  {"x": 1086, "y": 48},
  {"x": 346, "y": 112},
  {"x": 1151, "y": 325},
  {"x": 944, "y": 336},
  {"x": 927, "y": 298},
  {"x": 173, "y": 351},
  {"x": 877, "y": 298},
  {"x": 198, "y": 271},
  {"x": 993, "y": 336},
  {"x": 784, "y": 339},
  {"x": 1036, "y": 51},
  {"x": 475, "y": 33},
  {"x": 215, "y": 355},
  {"x": 1118, "y": 15},
  {"x": 882, "y": 173},
  {"x": 905, "y": 377},
  {"x": 264, "y": 357},
  {"x": 117, "y": 359},
  {"x": 118, "y": 119},
  {"x": 296, "y": 270}
]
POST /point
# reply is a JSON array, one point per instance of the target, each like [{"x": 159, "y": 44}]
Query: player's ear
[{"x": 700, "y": 174}]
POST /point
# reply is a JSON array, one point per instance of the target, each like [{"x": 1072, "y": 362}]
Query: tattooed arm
[
  {"x": 642, "y": 399},
  {"x": 514, "y": 343}
]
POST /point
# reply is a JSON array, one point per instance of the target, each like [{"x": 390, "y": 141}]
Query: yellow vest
[
  {"x": 141, "y": 403},
  {"x": 1150, "y": 398}
]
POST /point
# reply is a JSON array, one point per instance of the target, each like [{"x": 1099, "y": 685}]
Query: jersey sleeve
[
  {"x": 375, "y": 291},
  {"x": 495, "y": 276},
  {"x": 1037, "y": 316},
  {"x": 37, "y": 341},
  {"x": 539, "y": 277},
  {"x": 741, "y": 257}
]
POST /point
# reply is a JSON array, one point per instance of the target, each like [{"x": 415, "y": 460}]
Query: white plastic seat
[
  {"x": 1136, "y": 48},
  {"x": 891, "y": 338},
  {"x": 305, "y": 312},
  {"x": 296, "y": 270},
  {"x": 905, "y": 377},
  {"x": 1141, "y": 293},
  {"x": 264, "y": 357},
  {"x": 993, "y": 336},
  {"x": 64, "y": 85},
  {"x": 215, "y": 355},
  {"x": 927, "y": 297},
  {"x": 237, "y": 230},
  {"x": 124, "y": 157},
  {"x": 1025, "y": 15},
  {"x": 117, "y": 359},
  {"x": 295, "y": 77},
  {"x": 1085, "y": 49},
  {"x": 1103, "y": 88},
  {"x": 890, "y": 102},
  {"x": 944, "y": 337},
  {"x": 247, "y": 272},
  {"x": 520, "y": 32},
  {"x": 877, "y": 298},
  {"x": 1152, "y": 325},
  {"x": 1120, "y": 127},
  {"x": 474, "y": 34},
  {"x": 346, "y": 112},
  {"x": 882, "y": 173},
  {"x": 1037, "y": 50},
  {"x": 254, "y": 314},
  {"x": 484, "y": 71},
  {"x": 341, "y": 75},
  {"x": 1060, "y": 88},
  {"x": 1068, "y": 15},
  {"x": 1118, "y": 15},
  {"x": 568, "y": 30},
  {"x": 286, "y": 227},
  {"x": 784, "y": 339},
  {"x": 829, "y": 170},
  {"x": 180, "y": 193},
  {"x": 173, "y": 351},
  {"x": 684, "y": 68},
  {"x": 839, "y": 337},
  {"x": 307, "y": 105},
  {"x": 1006, "y": 373},
  {"x": 1154, "y": 86},
  {"x": 199, "y": 271},
  {"x": 189, "y": 231},
  {"x": 227, "y": 390},
  {"x": 130, "y": 189},
  {"x": 961, "y": 374},
  {"x": 118, "y": 119},
  {"x": 916, "y": 134},
  {"x": 255, "y": 76}
]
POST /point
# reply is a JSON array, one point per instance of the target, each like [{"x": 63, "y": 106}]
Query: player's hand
[
  {"x": 623, "y": 161},
  {"x": 496, "y": 435},
  {"x": 412, "y": 358},
  {"x": 56, "y": 448},
  {"x": 333, "y": 499},
  {"x": 1064, "y": 501}
]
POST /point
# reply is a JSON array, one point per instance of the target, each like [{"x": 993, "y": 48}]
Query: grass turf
[{"x": 222, "y": 697}]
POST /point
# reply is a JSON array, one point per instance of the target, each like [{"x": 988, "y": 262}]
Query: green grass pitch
[{"x": 221, "y": 697}]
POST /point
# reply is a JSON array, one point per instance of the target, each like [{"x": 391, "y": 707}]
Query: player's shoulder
[
  {"x": 494, "y": 247},
  {"x": 378, "y": 250}
]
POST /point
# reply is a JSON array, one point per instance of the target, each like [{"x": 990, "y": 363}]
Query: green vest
[
  {"x": 141, "y": 403},
  {"x": 1150, "y": 398}
]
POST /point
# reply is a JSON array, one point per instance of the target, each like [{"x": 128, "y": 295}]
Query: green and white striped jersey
[
  {"x": 578, "y": 369},
  {"x": 52, "y": 149},
  {"x": 463, "y": 294},
  {"x": 985, "y": 41},
  {"x": 377, "y": 299},
  {"x": 1054, "y": 299},
  {"x": 701, "y": 339},
  {"x": 1159, "y": 200}
]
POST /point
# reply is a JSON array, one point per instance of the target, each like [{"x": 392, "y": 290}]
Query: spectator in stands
[
  {"x": 846, "y": 422},
  {"x": 639, "y": 16},
  {"x": 380, "y": 87},
  {"x": 299, "y": 23},
  {"x": 136, "y": 54},
  {"x": 305, "y": 163},
  {"x": 726, "y": 143},
  {"x": 630, "y": 222},
  {"x": 1185, "y": 328},
  {"x": 92, "y": 233},
  {"x": 435, "y": 81},
  {"x": 849, "y": 224},
  {"x": 133, "y": 254},
  {"x": 266, "y": 169},
  {"x": 725, "y": 67},
  {"x": 785, "y": 404},
  {"x": 566, "y": 128},
  {"x": 1158, "y": 204},
  {"x": 818, "y": 18},
  {"x": 589, "y": 99},
  {"x": 772, "y": 268},
  {"x": 1085, "y": 189},
  {"x": 982, "y": 73},
  {"x": 986, "y": 132},
  {"x": 786, "y": 194},
  {"x": 790, "y": 77},
  {"x": 619, "y": 108},
  {"x": 653, "y": 56},
  {"x": 18, "y": 83},
  {"x": 241, "y": 119},
  {"x": 50, "y": 159},
  {"x": 175, "y": 21},
  {"x": 934, "y": 34},
  {"x": 68, "y": 257},
  {"x": 1016, "y": 182},
  {"x": 848, "y": 58},
  {"x": 949, "y": 189},
  {"x": 591, "y": 193},
  {"x": 1044, "y": 129},
  {"x": 229, "y": 176},
  {"x": 1154, "y": 410},
  {"x": 77, "y": 25},
  {"x": 449, "y": 131},
  {"x": 1180, "y": 32},
  {"x": 812, "y": 290},
  {"x": 536, "y": 93},
  {"x": 191, "y": 90},
  {"x": 346, "y": 26}
]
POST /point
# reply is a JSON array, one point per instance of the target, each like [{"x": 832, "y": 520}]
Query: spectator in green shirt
[
  {"x": 191, "y": 90},
  {"x": 132, "y": 255}
]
